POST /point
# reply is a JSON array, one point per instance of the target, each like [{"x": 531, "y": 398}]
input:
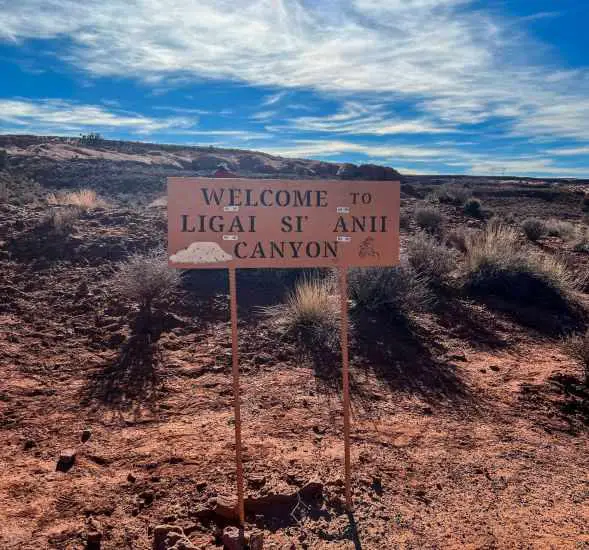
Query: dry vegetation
[{"x": 470, "y": 409}]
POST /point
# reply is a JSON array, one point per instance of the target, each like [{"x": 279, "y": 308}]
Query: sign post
[{"x": 235, "y": 223}]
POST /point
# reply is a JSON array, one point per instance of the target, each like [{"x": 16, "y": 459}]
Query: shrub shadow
[
  {"x": 132, "y": 378},
  {"x": 395, "y": 349}
]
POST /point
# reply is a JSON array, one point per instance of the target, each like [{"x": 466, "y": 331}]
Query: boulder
[
  {"x": 162, "y": 535},
  {"x": 232, "y": 539}
]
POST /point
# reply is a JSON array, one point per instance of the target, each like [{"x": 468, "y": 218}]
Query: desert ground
[{"x": 470, "y": 403}]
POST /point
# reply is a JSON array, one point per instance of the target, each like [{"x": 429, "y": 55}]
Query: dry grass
[
  {"x": 394, "y": 292},
  {"x": 427, "y": 256},
  {"x": 145, "y": 280},
  {"x": 61, "y": 221},
  {"x": 534, "y": 228},
  {"x": 497, "y": 264},
  {"x": 84, "y": 199},
  {"x": 451, "y": 193},
  {"x": 429, "y": 219},
  {"x": 560, "y": 228}
]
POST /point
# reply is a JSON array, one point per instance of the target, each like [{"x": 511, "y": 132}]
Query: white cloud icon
[{"x": 201, "y": 253}]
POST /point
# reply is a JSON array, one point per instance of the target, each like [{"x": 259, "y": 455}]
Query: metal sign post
[
  {"x": 343, "y": 279},
  {"x": 235, "y": 223},
  {"x": 236, "y": 394}
]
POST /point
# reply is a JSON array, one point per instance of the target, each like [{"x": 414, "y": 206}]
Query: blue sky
[{"x": 425, "y": 86}]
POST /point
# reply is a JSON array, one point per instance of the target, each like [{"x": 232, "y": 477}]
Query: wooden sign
[
  {"x": 233, "y": 223},
  {"x": 282, "y": 223}
]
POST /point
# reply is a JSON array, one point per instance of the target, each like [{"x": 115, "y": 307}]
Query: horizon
[{"x": 453, "y": 87}]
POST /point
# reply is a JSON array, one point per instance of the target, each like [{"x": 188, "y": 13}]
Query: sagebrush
[
  {"x": 427, "y": 256},
  {"x": 429, "y": 219}
]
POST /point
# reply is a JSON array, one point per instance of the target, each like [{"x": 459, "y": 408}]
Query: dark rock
[
  {"x": 255, "y": 482},
  {"x": 256, "y": 540},
  {"x": 312, "y": 490},
  {"x": 29, "y": 444},
  {"x": 131, "y": 478},
  {"x": 86, "y": 435},
  {"x": 66, "y": 460},
  {"x": 232, "y": 539},
  {"x": 147, "y": 496},
  {"x": 201, "y": 485},
  {"x": 93, "y": 540}
]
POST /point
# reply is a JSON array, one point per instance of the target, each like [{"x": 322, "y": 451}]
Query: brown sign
[{"x": 282, "y": 223}]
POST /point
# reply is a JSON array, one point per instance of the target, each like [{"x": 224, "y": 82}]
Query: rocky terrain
[{"x": 470, "y": 419}]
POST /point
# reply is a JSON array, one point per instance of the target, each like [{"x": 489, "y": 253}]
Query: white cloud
[
  {"x": 67, "y": 116},
  {"x": 454, "y": 63},
  {"x": 570, "y": 151},
  {"x": 366, "y": 119},
  {"x": 273, "y": 99}
]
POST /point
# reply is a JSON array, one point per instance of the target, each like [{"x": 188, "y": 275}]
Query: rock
[
  {"x": 161, "y": 533},
  {"x": 232, "y": 539},
  {"x": 347, "y": 171},
  {"x": 312, "y": 490},
  {"x": 201, "y": 485},
  {"x": 255, "y": 482},
  {"x": 131, "y": 478},
  {"x": 86, "y": 435},
  {"x": 224, "y": 508},
  {"x": 147, "y": 496},
  {"x": 203, "y": 512},
  {"x": 29, "y": 444},
  {"x": 183, "y": 544},
  {"x": 256, "y": 540},
  {"x": 66, "y": 460},
  {"x": 375, "y": 172},
  {"x": 93, "y": 540}
]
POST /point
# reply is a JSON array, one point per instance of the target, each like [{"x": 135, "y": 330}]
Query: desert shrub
[
  {"x": 560, "y": 228},
  {"x": 84, "y": 199},
  {"x": 577, "y": 346},
  {"x": 585, "y": 203},
  {"x": 404, "y": 220},
  {"x": 472, "y": 207},
  {"x": 498, "y": 265},
  {"x": 451, "y": 193},
  {"x": 145, "y": 281},
  {"x": 61, "y": 221},
  {"x": 534, "y": 228},
  {"x": 457, "y": 239},
  {"x": 393, "y": 292},
  {"x": 310, "y": 314},
  {"x": 427, "y": 256},
  {"x": 3, "y": 159},
  {"x": 430, "y": 219}
]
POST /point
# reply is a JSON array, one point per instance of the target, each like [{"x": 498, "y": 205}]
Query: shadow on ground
[{"x": 131, "y": 378}]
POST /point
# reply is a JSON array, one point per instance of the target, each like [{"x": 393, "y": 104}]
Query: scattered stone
[
  {"x": 203, "y": 512},
  {"x": 256, "y": 540},
  {"x": 147, "y": 496},
  {"x": 66, "y": 460},
  {"x": 257, "y": 481},
  {"x": 93, "y": 540},
  {"x": 29, "y": 444},
  {"x": 131, "y": 478},
  {"x": 161, "y": 533},
  {"x": 224, "y": 508},
  {"x": 232, "y": 539},
  {"x": 494, "y": 368},
  {"x": 171, "y": 518},
  {"x": 201, "y": 486}
]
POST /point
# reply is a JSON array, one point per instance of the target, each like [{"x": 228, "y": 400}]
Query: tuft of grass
[
  {"x": 84, "y": 199},
  {"x": 534, "y": 228},
  {"x": 560, "y": 228},
  {"x": 145, "y": 281},
  {"x": 577, "y": 346},
  {"x": 427, "y": 256},
  {"x": 498, "y": 265},
  {"x": 429, "y": 219},
  {"x": 457, "y": 239},
  {"x": 451, "y": 193},
  {"x": 393, "y": 292},
  {"x": 311, "y": 314},
  {"x": 472, "y": 207},
  {"x": 61, "y": 221}
]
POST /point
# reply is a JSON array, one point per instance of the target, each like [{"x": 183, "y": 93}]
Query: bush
[
  {"x": 585, "y": 203},
  {"x": 84, "y": 199},
  {"x": 61, "y": 221},
  {"x": 534, "y": 228},
  {"x": 451, "y": 193},
  {"x": 577, "y": 346},
  {"x": 430, "y": 219},
  {"x": 393, "y": 292},
  {"x": 429, "y": 257},
  {"x": 146, "y": 281},
  {"x": 457, "y": 239},
  {"x": 472, "y": 208},
  {"x": 310, "y": 313},
  {"x": 497, "y": 265},
  {"x": 560, "y": 228}
]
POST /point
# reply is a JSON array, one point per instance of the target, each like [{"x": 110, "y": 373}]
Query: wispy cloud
[
  {"x": 570, "y": 151},
  {"x": 273, "y": 99},
  {"x": 456, "y": 64},
  {"x": 66, "y": 116}
]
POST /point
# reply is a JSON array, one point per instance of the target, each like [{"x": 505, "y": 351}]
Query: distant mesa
[{"x": 201, "y": 253}]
